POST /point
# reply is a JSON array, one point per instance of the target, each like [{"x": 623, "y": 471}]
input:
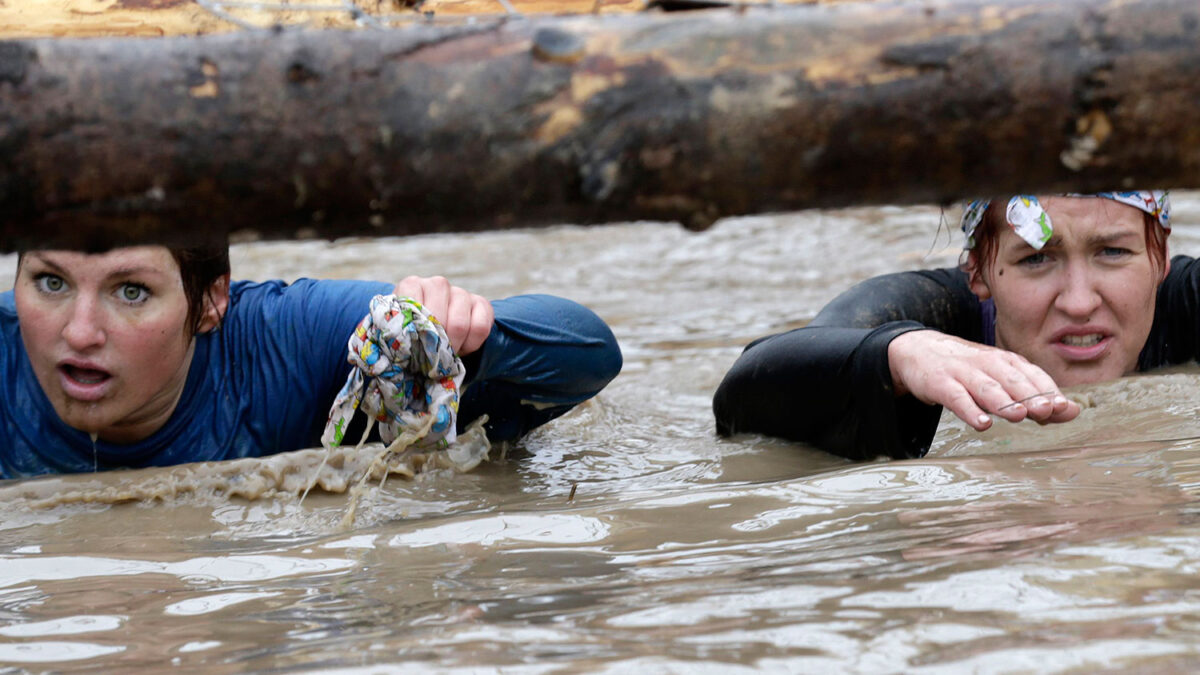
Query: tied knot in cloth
[{"x": 406, "y": 376}]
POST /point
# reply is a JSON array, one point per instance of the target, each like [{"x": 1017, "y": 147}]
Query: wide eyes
[
  {"x": 49, "y": 283},
  {"x": 134, "y": 293},
  {"x": 128, "y": 292}
]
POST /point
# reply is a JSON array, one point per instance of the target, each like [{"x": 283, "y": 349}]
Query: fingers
[
  {"x": 974, "y": 381},
  {"x": 1044, "y": 407},
  {"x": 468, "y": 320},
  {"x": 411, "y": 287},
  {"x": 1064, "y": 411},
  {"x": 963, "y": 405},
  {"x": 975, "y": 396},
  {"x": 1032, "y": 390},
  {"x": 466, "y": 317},
  {"x": 1028, "y": 391},
  {"x": 481, "y": 321},
  {"x": 1012, "y": 388}
]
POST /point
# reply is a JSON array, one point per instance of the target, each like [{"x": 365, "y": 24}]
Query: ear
[
  {"x": 975, "y": 277},
  {"x": 1166, "y": 261},
  {"x": 216, "y": 301}
]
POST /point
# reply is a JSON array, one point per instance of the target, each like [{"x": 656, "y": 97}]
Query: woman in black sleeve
[{"x": 1053, "y": 291}]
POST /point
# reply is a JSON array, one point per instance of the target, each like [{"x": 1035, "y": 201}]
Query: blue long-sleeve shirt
[{"x": 264, "y": 381}]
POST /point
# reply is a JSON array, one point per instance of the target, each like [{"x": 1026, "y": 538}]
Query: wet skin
[
  {"x": 1082, "y": 307},
  {"x": 107, "y": 337}
]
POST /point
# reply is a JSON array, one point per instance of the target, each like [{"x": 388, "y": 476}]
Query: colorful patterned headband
[{"x": 1031, "y": 222}]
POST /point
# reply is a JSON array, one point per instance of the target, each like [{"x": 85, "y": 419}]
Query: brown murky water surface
[{"x": 1022, "y": 549}]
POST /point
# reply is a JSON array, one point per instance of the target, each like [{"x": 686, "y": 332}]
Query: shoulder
[
  {"x": 1183, "y": 277},
  {"x": 306, "y": 294},
  {"x": 8, "y": 316},
  {"x": 302, "y": 312},
  {"x": 1183, "y": 265},
  {"x": 934, "y": 295},
  {"x": 8, "y": 306},
  {"x": 947, "y": 279}
]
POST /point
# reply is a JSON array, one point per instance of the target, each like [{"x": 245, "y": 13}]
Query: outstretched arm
[
  {"x": 974, "y": 381},
  {"x": 839, "y": 383},
  {"x": 828, "y": 386}
]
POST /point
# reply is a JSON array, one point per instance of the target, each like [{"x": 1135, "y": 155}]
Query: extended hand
[
  {"x": 467, "y": 317},
  {"x": 973, "y": 380}
]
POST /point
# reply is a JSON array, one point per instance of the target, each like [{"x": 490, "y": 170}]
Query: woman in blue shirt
[{"x": 149, "y": 356}]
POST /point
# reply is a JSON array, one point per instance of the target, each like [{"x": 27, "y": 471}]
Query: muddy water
[{"x": 1022, "y": 549}]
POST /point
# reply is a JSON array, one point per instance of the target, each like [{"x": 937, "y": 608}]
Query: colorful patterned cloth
[
  {"x": 1031, "y": 222},
  {"x": 406, "y": 376}
]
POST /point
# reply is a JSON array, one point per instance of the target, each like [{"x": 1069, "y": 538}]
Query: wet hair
[
  {"x": 199, "y": 268},
  {"x": 987, "y": 245}
]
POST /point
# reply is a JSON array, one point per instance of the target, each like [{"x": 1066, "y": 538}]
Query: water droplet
[{"x": 95, "y": 460}]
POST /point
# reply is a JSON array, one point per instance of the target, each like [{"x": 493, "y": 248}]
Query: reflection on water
[{"x": 626, "y": 535}]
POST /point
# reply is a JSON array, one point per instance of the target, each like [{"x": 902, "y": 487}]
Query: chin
[
  {"x": 1075, "y": 376},
  {"x": 86, "y": 426},
  {"x": 87, "y": 421}
]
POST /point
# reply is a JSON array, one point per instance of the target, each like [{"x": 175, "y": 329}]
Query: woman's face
[
  {"x": 1082, "y": 307},
  {"x": 106, "y": 336}
]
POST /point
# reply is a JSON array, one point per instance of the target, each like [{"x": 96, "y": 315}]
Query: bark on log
[{"x": 595, "y": 119}]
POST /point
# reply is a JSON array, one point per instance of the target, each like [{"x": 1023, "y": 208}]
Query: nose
[
  {"x": 1078, "y": 297},
  {"x": 84, "y": 328}
]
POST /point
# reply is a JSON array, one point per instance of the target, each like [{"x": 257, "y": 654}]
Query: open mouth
[
  {"x": 1090, "y": 340},
  {"x": 84, "y": 375}
]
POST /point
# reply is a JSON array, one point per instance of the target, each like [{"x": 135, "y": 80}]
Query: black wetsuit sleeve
[
  {"x": 829, "y": 383},
  {"x": 1175, "y": 335}
]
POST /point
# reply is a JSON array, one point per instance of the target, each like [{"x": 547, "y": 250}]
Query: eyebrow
[
  {"x": 119, "y": 272},
  {"x": 44, "y": 260},
  {"x": 1096, "y": 239}
]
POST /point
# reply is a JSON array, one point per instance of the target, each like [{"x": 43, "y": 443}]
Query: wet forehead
[{"x": 1085, "y": 220}]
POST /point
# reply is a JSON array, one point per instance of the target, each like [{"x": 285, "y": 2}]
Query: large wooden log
[{"x": 595, "y": 119}]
